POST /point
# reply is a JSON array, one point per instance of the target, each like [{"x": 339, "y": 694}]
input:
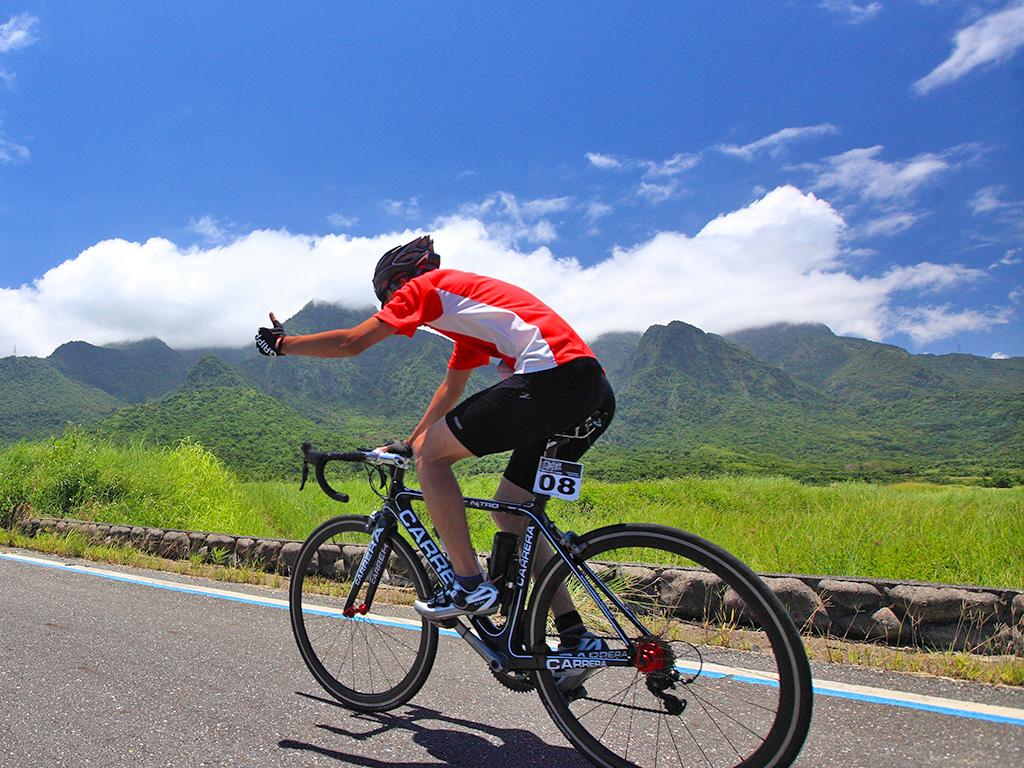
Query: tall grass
[
  {"x": 950, "y": 534},
  {"x": 182, "y": 487}
]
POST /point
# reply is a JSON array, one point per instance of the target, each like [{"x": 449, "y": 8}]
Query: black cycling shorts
[{"x": 523, "y": 411}]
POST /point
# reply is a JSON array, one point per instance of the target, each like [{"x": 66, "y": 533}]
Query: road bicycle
[{"x": 701, "y": 664}]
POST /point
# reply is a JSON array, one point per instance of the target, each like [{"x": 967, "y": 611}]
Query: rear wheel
[
  {"x": 371, "y": 662},
  {"x": 719, "y": 677}
]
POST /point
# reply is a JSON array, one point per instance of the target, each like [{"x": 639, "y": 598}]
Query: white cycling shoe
[{"x": 455, "y": 602}]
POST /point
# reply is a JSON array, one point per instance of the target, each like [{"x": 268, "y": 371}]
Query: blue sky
[{"x": 178, "y": 169}]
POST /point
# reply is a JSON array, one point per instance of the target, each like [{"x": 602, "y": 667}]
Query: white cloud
[
  {"x": 675, "y": 165},
  {"x": 987, "y": 199},
  {"x": 854, "y": 13},
  {"x": 927, "y": 324},
  {"x": 604, "y": 162},
  {"x": 655, "y": 193},
  {"x": 859, "y": 172},
  {"x": 12, "y": 153},
  {"x": 210, "y": 230},
  {"x": 341, "y": 221},
  {"x": 18, "y": 32},
  {"x": 512, "y": 220},
  {"x": 596, "y": 210},
  {"x": 651, "y": 169},
  {"x": 990, "y": 40},
  {"x": 1000, "y": 356},
  {"x": 1011, "y": 258},
  {"x": 777, "y": 140},
  {"x": 409, "y": 209},
  {"x": 777, "y": 260},
  {"x": 890, "y": 224}
]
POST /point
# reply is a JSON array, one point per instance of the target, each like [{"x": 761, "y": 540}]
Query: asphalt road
[{"x": 96, "y": 671}]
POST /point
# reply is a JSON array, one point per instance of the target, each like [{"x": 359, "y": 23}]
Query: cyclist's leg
[
  {"x": 512, "y": 493},
  {"x": 518, "y": 478},
  {"x": 435, "y": 453}
]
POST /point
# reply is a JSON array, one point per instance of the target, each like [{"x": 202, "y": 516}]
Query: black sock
[{"x": 570, "y": 629}]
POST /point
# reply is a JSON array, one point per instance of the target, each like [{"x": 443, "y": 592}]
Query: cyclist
[{"x": 552, "y": 383}]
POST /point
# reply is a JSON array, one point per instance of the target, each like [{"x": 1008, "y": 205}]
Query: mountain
[
  {"x": 251, "y": 432},
  {"x": 858, "y": 368},
  {"x": 786, "y": 399},
  {"x": 38, "y": 399},
  {"x": 210, "y": 372},
  {"x": 683, "y": 390},
  {"x": 133, "y": 372},
  {"x": 954, "y": 410}
]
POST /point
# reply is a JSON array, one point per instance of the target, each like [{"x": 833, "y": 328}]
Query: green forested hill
[
  {"x": 790, "y": 399},
  {"x": 38, "y": 400},
  {"x": 250, "y": 431},
  {"x": 133, "y": 372}
]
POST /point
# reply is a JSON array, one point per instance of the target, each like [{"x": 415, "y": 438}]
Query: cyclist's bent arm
[
  {"x": 444, "y": 399},
  {"x": 344, "y": 342}
]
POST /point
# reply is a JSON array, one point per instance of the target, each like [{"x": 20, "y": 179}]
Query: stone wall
[{"x": 933, "y": 616}]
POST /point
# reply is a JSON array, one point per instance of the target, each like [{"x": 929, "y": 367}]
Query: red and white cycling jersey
[{"x": 485, "y": 318}]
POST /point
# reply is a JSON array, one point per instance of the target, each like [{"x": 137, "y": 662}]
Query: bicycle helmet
[{"x": 405, "y": 261}]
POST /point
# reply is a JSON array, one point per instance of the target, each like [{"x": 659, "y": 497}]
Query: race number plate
[{"x": 558, "y": 478}]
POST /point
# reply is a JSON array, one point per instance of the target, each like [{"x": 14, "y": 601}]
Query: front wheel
[
  {"x": 718, "y": 674},
  {"x": 373, "y": 661}
]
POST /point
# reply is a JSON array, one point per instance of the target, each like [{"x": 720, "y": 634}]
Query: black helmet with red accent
[{"x": 404, "y": 263}]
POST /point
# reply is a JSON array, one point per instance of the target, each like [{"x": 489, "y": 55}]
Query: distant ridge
[{"x": 784, "y": 399}]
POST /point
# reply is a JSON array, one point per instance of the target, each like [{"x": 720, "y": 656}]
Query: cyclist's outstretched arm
[
  {"x": 445, "y": 398},
  {"x": 344, "y": 342}
]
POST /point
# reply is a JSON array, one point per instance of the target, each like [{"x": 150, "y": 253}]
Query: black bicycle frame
[{"x": 502, "y": 647}]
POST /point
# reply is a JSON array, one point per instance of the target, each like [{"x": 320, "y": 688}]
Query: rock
[
  {"x": 397, "y": 574},
  {"x": 119, "y": 534},
  {"x": 196, "y": 541},
  {"x": 637, "y": 582},
  {"x": 244, "y": 549},
  {"x": 802, "y": 602},
  {"x": 1006, "y": 641},
  {"x": 734, "y": 610},
  {"x": 219, "y": 541},
  {"x": 885, "y": 625},
  {"x": 151, "y": 542},
  {"x": 351, "y": 556},
  {"x": 850, "y": 595},
  {"x": 1017, "y": 609},
  {"x": 938, "y": 605},
  {"x": 266, "y": 553},
  {"x": 137, "y": 537},
  {"x": 328, "y": 555},
  {"x": 174, "y": 545},
  {"x": 954, "y": 636},
  {"x": 691, "y": 594},
  {"x": 289, "y": 554}
]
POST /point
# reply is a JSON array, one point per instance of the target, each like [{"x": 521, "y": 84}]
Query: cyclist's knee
[{"x": 438, "y": 447}]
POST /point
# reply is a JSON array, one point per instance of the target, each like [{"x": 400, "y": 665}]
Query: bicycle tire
[
  {"x": 371, "y": 663},
  {"x": 728, "y": 635}
]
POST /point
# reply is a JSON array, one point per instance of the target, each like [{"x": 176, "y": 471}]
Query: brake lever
[{"x": 305, "y": 474}]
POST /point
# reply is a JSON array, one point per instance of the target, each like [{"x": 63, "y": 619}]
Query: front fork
[{"x": 371, "y": 567}]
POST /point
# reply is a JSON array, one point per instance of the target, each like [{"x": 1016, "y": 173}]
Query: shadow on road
[{"x": 453, "y": 741}]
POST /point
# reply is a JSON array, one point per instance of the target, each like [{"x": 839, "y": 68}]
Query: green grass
[{"x": 951, "y": 534}]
